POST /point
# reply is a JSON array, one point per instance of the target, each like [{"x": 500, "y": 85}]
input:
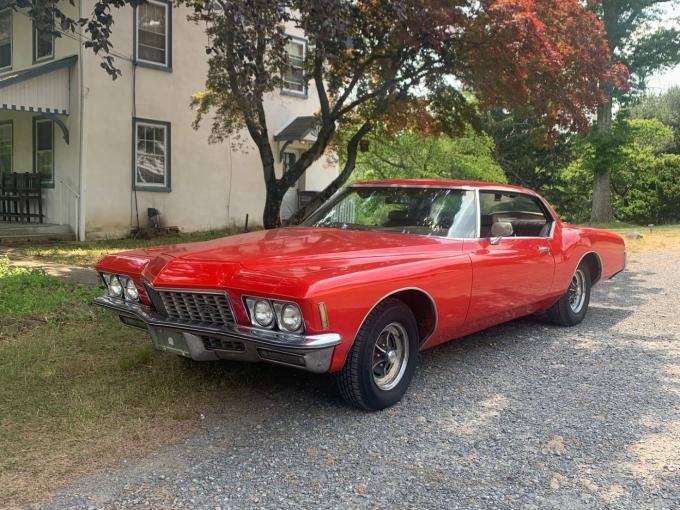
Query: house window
[
  {"x": 289, "y": 159},
  {"x": 5, "y": 39},
  {"x": 152, "y": 155},
  {"x": 43, "y": 44},
  {"x": 6, "y": 147},
  {"x": 293, "y": 77},
  {"x": 153, "y": 38},
  {"x": 43, "y": 150}
]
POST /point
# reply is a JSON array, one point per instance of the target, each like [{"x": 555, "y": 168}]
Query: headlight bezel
[
  {"x": 112, "y": 292},
  {"x": 268, "y": 312},
  {"x": 124, "y": 282},
  {"x": 280, "y": 310},
  {"x": 129, "y": 295},
  {"x": 277, "y": 307}
]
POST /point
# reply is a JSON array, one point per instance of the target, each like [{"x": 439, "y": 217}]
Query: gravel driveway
[{"x": 525, "y": 415}]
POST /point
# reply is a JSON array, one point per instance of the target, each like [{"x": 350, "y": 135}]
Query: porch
[
  {"x": 39, "y": 162},
  {"x": 15, "y": 233}
]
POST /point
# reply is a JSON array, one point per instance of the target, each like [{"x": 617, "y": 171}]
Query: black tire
[
  {"x": 357, "y": 381},
  {"x": 563, "y": 313}
]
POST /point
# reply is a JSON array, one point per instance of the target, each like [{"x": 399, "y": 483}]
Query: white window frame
[
  {"x": 36, "y": 58},
  {"x": 11, "y": 41},
  {"x": 293, "y": 92},
  {"x": 145, "y": 186},
  {"x": 167, "y": 64},
  {"x": 10, "y": 124}
]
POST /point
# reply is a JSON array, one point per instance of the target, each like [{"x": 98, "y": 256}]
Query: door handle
[{"x": 543, "y": 249}]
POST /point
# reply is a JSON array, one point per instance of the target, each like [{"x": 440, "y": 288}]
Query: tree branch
[
  {"x": 318, "y": 81},
  {"x": 352, "y": 151},
  {"x": 357, "y": 75},
  {"x": 383, "y": 89}
]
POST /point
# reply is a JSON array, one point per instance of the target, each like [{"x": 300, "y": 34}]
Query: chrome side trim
[
  {"x": 478, "y": 208},
  {"x": 418, "y": 186},
  {"x": 277, "y": 339},
  {"x": 434, "y": 306}
]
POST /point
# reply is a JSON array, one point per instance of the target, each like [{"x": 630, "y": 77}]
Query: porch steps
[{"x": 16, "y": 233}]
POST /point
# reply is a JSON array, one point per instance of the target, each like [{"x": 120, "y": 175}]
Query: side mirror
[{"x": 499, "y": 230}]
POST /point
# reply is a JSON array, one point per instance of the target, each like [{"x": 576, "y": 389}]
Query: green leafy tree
[
  {"x": 533, "y": 157},
  {"x": 412, "y": 155},
  {"x": 637, "y": 40},
  {"x": 664, "y": 107},
  {"x": 645, "y": 179}
]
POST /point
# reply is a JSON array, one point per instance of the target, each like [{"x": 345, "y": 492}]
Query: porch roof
[
  {"x": 42, "y": 89},
  {"x": 298, "y": 129}
]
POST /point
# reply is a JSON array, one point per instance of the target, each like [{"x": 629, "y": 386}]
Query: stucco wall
[{"x": 212, "y": 185}]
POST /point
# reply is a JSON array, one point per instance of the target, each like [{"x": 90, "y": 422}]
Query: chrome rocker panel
[{"x": 312, "y": 352}]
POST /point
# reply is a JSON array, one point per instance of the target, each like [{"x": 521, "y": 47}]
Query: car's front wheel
[
  {"x": 572, "y": 306},
  {"x": 381, "y": 363}
]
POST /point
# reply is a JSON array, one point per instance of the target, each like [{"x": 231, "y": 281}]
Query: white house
[{"x": 109, "y": 150}]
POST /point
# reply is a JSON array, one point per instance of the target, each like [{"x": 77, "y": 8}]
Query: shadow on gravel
[{"x": 625, "y": 290}]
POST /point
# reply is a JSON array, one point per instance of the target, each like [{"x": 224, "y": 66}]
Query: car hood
[{"x": 279, "y": 258}]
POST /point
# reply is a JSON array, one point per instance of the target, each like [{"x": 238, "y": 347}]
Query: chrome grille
[{"x": 196, "y": 307}]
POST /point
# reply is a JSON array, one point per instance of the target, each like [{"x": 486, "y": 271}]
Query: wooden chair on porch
[{"x": 21, "y": 197}]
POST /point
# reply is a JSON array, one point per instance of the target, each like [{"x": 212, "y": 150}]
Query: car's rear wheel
[
  {"x": 381, "y": 363},
  {"x": 572, "y": 306}
]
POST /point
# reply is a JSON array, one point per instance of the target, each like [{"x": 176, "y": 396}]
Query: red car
[{"x": 379, "y": 273}]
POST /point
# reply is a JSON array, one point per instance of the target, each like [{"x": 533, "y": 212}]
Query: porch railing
[
  {"x": 21, "y": 197},
  {"x": 66, "y": 195}
]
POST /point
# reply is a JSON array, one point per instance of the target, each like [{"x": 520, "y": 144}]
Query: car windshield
[{"x": 420, "y": 211}]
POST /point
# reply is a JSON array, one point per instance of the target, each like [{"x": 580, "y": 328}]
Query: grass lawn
[
  {"x": 87, "y": 254},
  {"x": 663, "y": 237},
  {"x": 79, "y": 391}
]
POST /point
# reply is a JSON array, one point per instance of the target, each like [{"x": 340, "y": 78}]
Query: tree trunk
[
  {"x": 602, "y": 209},
  {"x": 271, "y": 217}
]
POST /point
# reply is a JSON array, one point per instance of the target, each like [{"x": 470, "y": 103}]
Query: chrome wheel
[
  {"x": 390, "y": 356},
  {"x": 577, "y": 291}
]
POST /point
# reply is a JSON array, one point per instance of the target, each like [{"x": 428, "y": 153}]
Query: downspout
[{"x": 81, "y": 138}]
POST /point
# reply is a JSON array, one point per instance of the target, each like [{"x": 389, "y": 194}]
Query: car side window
[{"x": 524, "y": 212}]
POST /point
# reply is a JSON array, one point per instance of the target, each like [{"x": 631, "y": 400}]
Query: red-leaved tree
[{"x": 391, "y": 63}]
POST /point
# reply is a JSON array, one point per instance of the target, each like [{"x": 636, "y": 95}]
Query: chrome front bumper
[{"x": 204, "y": 343}]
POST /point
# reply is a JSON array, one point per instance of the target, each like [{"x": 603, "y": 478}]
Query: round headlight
[
  {"x": 131, "y": 290},
  {"x": 263, "y": 313},
  {"x": 291, "y": 318},
  {"x": 115, "y": 287}
]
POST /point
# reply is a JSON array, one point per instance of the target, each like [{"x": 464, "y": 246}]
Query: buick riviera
[{"x": 377, "y": 274}]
